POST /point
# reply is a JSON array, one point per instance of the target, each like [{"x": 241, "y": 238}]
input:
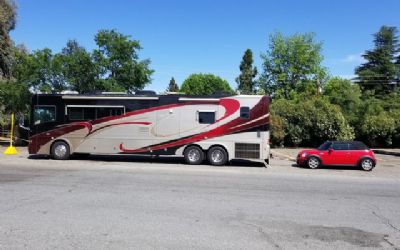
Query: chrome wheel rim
[
  {"x": 217, "y": 156},
  {"x": 367, "y": 164},
  {"x": 60, "y": 150},
  {"x": 194, "y": 155},
  {"x": 313, "y": 163}
]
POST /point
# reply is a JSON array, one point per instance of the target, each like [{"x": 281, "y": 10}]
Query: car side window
[
  {"x": 340, "y": 146},
  {"x": 353, "y": 147}
]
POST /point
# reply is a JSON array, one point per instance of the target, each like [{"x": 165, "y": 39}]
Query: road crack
[
  {"x": 265, "y": 234},
  {"x": 386, "y": 221}
]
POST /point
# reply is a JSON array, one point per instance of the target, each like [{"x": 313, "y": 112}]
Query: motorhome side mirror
[{"x": 21, "y": 121}]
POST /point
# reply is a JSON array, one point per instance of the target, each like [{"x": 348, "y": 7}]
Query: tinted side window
[
  {"x": 81, "y": 114},
  {"x": 89, "y": 113},
  {"x": 325, "y": 146},
  {"x": 104, "y": 112},
  {"x": 340, "y": 146},
  {"x": 357, "y": 146},
  {"x": 206, "y": 117},
  {"x": 75, "y": 114},
  {"x": 245, "y": 112}
]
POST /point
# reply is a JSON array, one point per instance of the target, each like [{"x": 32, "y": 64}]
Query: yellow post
[{"x": 11, "y": 150}]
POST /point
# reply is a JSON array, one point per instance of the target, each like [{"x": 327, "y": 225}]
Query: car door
[
  {"x": 354, "y": 153},
  {"x": 338, "y": 154}
]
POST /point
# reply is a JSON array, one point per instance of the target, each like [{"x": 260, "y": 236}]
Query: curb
[
  {"x": 385, "y": 152},
  {"x": 283, "y": 155}
]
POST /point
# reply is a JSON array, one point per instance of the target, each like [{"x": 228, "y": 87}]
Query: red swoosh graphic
[
  {"x": 117, "y": 124},
  {"x": 257, "y": 111}
]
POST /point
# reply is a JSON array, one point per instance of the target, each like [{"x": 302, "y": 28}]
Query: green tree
[
  {"x": 47, "y": 74},
  {"x": 398, "y": 71},
  {"x": 380, "y": 71},
  {"x": 118, "y": 62},
  {"x": 172, "y": 86},
  {"x": 292, "y": 64},
  {"x": 346, "y": 95},
  {"x": 7, "y": 23},
  {"x": 23, "y": 67},
  {"x": 245, "y": 81},
  {"x": 14, "y": 97},
  {"x": 205, "y": 84},
  {"x": 79, "y": 68}
]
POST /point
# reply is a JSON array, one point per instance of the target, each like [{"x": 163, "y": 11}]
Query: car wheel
[
  {"x": 367, "y": 164},
  {"x": 60, "y": 151},
  {"x": 313, "y": 162},
  {"x": 217, "y": 156},
  {"x": 194, "y": 155}
]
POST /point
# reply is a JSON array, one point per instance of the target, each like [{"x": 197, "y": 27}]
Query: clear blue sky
[{"x": 184, "y": 37}]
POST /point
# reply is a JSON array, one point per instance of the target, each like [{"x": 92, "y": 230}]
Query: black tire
[
  {"x": 367, "y": 164},
  {"x": 217, "y": 156},
  {"x": 60, "y": 151},
  {"x": 193, "y": 155},
  {"x": 313, "y": 162}
]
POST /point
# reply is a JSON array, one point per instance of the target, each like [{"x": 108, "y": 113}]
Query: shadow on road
[
  {"x": 145, "y": 159},
  {"x": 328, "y": 167}
]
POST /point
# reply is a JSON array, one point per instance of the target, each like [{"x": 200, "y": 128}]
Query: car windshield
[{"x": 325, "y": 146}]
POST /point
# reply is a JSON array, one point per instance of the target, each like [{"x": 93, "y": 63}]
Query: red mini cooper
[{"x": 337, "y": 153}]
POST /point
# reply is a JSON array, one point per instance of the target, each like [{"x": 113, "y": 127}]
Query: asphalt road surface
[{"x": 136, "y": 203}]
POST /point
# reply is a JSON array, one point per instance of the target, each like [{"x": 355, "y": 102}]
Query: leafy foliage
[
  {"x": 172, "y": 86},
  {"x": 310, "y": 122},
  {"x": 378, "y": 123},
  {"x": 47, "y": 72},
  {"x": 245, "y": 81},
  {"x": 277, "y": 127},
  {"x": 378, "y": 129},
  {"x": 292, "y": 64},
  {"x": 380, "y": 73},
  {"x": 79, "y": 69},
  {"x": 8, "y": 18},
  {"x": 205, "y": 84},
  {"x": 119, "y": 63},
  {"x": 14, "y": 97},
  {"x": 345, "y": 94}
]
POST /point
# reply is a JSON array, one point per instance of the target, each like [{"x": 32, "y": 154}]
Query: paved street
[{"x": 137, "y": 203}]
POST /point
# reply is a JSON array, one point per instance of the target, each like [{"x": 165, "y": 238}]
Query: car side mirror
[{"x": 330, "y": 150}]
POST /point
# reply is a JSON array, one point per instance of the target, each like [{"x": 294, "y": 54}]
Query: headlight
[{"x": 303, "y": 155}]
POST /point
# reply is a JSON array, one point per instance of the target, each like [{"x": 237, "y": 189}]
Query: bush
[
  {"x": 277, "y": 130},
  {"x": 379, "y": 121},
  {"x": 309, "y": 123},
  {"x": 378, "y": 129}
]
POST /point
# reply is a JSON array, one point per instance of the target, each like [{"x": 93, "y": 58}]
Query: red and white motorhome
[{"x": 217, "y": 129}]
